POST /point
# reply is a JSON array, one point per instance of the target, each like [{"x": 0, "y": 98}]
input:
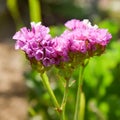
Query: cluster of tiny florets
[{"x": 79, "y": 41}]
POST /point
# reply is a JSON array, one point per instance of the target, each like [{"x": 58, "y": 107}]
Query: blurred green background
[{"x": 101, "y": 76}]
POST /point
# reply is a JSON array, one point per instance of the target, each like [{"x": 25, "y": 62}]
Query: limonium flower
[
  {"x": 85, "y": 38},
  {"x": 78, "y": 42},
  {"x": 36, "y": 43}
]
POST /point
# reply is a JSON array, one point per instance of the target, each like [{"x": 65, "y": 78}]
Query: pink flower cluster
[
  {"x": 79, "y": 39},
  {"x": 35, "y": 43}
]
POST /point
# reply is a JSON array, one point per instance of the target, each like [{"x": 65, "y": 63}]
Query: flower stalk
[
  {"x": 82, "y": 106},
  {"x": 79, "y": 92},
  {"x": 49, "y": 90},
  {"x": 63, "y": 105}
]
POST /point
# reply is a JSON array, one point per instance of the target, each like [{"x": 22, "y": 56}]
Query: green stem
[
  {"x": 14, "y": 11},
  {"x": 50, "y": 91},
  {"x": 82, "y": 106},
  {"x": 35, "y": 10},
  {"x": 64, "y": 100},
  {"x": 79, "y": 91}
]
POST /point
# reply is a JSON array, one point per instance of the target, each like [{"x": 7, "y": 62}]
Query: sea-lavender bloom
[
  {"x": 85, "y": 38},
  {"x": 79, "y": 41},
  {"x": 34, "y": 42}
]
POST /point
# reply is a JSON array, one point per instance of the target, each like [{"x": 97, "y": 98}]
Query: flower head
[
  {"x": 78, "y": 42},
  {"x": 35, "y": 42},
  {"x": 84, "y": 37}
]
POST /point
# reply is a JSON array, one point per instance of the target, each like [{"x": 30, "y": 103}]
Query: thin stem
[
  {"x": 79, "y": 90},
  {"x": 15, "y": 13},
  {"x": 50, "y": 91},
  {"x": 82, "y": 106},
  {"x": 64, "y": 100},
  {"x": 35, "y": 10}
]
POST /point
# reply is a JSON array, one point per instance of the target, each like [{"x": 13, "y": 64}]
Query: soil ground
[{"x": 13, "y": 101}]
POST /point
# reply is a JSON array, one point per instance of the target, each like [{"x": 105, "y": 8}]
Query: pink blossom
[
  {"x": 34, "y": 42},
  {"x": 84, "y": 37},
  {"x": 79, "y": 41}
]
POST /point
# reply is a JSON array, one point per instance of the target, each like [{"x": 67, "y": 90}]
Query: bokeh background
[{"x": 22, "y": 96}]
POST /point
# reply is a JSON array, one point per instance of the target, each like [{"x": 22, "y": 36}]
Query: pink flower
[
  {"x": 84, "y": 37},
  {"x": 79, "y": 41},
  {"x": 34, "y": 42}
]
